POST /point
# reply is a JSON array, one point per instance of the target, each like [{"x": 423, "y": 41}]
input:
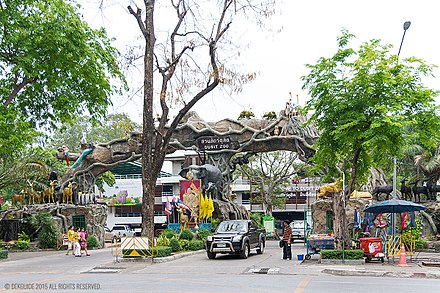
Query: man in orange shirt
[{"x": 287, "y": 238}]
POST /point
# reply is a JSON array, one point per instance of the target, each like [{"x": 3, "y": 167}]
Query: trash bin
[{"x": 300, "y": 256}]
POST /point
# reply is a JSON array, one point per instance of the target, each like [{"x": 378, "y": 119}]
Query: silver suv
[
  {"x": 122, "y": 231},
  {"x": 297, "y": 230}
]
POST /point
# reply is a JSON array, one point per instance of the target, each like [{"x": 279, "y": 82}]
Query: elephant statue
[{"x": 211, "y": 177}]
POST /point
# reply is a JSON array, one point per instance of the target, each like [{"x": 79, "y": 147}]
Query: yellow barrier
[
  {"x": 394, "y": 244},
  {"x": 134, "y": 247}
]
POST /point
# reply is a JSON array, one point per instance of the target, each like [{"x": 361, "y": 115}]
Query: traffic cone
[{"x": 402, "y": 260}]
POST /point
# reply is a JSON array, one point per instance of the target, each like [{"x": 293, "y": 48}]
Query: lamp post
[{"x": 406, "y": 26}]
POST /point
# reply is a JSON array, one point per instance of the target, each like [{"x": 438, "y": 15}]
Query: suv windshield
[{"x": 232, "y": 227}]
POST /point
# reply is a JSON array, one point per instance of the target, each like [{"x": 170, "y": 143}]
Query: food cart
[
  {"x": 372, "y": 247},
  {"x": 316, "y": 242}
]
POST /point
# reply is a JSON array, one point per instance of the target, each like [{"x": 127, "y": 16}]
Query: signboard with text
[{"x": 214, "y": 143}]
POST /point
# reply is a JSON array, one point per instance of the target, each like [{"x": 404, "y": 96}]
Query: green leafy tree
[
  {"x": 112, "y": 127},
  {"x": 270, "y": 173},
  {"x": 368, "y": 107},
  {"x": 364, "y": 102},
  {"x": 53, "y": 66}
]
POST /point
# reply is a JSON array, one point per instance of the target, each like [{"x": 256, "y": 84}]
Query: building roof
[{"x": 133, "y": 168}]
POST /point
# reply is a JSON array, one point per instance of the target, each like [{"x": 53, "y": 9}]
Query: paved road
[{"x": 56, "y": 272}]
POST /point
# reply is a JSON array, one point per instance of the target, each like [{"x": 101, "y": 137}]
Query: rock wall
[
  {"x": 95, "y": 216},
  {"x": 229, "y": 211}
]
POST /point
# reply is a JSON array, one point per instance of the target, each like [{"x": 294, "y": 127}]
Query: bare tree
[
  {"x": 271, "y": 173},
  {"x": 186, "y": 74}
]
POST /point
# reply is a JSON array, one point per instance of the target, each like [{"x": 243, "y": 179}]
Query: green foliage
[
  {"x": 23, "y": 241},
  {"x": 3, "y": 254},
  {"x": 106, "y": 177},
  {"x": 186, "y": 234},
  {"x": 184, "y": 244},
  {"x": 47, "y": 233},
  {"x": 202, "y": 234},
  {"x": 161, "y": 251},
  {"x": 421, "y": 244},
  {"x": 175, "y": 245},
  {"x": 54, "y": 67},
  {"x": 169, "y": 233},
  {"x": 368, "y": 107},
  {"x": 337, "y": 254},
  {"x": 257, "y": 219},
  {"x": 196, "y": 245},
  {"x": 22, "y": 244},
  {"x": 163, "y": 240},
  {"x": 24, "y": 237},
  {"x": 92, "y": 242},
  {"x": 215, "y": 222},
  {"x": 113, "y": 126}
]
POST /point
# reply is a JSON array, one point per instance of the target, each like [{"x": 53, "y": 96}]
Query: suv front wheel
[
  {"x": 211, "y": 255},
  {"x": 245, "y": 252}
]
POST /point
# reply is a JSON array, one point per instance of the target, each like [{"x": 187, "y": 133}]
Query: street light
[{"x": 406, "y": 26}]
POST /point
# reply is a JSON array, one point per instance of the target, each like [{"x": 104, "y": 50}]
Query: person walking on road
[
  {"x": 70, "y": 240},
  {"x": 287, "y": 236},
  {"x": 76, "y": 238},
  {"x": 83, "y": 241}
]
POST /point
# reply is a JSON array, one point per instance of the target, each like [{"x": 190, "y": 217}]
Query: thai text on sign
[{"x": 212, "y": 143}]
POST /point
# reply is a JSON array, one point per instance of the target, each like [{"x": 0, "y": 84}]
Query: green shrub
[
  {"x": 161, "y": 251},
  {"x": 3, "y": 254},
  {"x": 186, "y": 234},
  {"x": 22, "y": 245},
  {"x": 203, "y": 234},
  {"x": 163, "y": 241},
  {"x": 421, "y": 244},
  {"x": 215, "y": 222},
  {"x": 92, "y": 242},
  {"x": 24, "y": 237},
  {"x": 257, "y": 219},
  {"x": 169, "y": 233},
  {"x": 196, "y": 245},
  {"x": 175, "y": 245},
  {"x": 184, "y": 244},
  {"x": 48, "y": 232},
  {"x": 337, "y": 254}
]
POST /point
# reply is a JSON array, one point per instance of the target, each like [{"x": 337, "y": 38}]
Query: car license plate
[{"x": 221, "y": 244}]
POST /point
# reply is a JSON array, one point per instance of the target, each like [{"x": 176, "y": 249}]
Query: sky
[{"x": 304, "y": 32}]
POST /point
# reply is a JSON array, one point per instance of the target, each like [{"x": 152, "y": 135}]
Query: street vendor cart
[
  {"x": 316, "y": 242},
  {"x": 372, "y": 247}
]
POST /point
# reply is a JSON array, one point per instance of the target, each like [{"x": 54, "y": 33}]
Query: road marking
[{"x": 303, "y": 284}]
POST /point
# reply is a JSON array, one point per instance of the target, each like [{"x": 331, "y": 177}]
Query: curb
[
  {"x": 399, "y": 274},
  {"x": 175, "y": 256}
]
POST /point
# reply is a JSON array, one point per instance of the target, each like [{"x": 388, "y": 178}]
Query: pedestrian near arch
[
  {"x": 83, "y": 241},
  {"x": 287, "y": 238}
]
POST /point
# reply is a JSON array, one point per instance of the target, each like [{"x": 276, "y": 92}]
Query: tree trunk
[
  {"x": 148, "y": 175},
  {"x": 340, "y": 223}
]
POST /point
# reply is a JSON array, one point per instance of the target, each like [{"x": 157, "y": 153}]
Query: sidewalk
[{"x": 414, "y": 268}]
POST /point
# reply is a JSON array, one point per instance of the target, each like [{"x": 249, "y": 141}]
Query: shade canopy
[{"x": 394, "y": 206}]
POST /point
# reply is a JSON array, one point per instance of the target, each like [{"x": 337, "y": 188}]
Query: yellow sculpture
[{"x": 329, "y": 189}]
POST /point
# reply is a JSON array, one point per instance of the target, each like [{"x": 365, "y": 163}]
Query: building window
[
  {"x": 79, "y": 221},
  {"x": 328, "y": 222}
]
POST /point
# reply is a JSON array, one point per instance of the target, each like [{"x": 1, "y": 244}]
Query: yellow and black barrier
[{"x": 133, "y": 247}]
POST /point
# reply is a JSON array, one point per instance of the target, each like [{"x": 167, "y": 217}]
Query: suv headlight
[
  {"x": 237, "y": 238},
  {"x": 209, "y": 238}
]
